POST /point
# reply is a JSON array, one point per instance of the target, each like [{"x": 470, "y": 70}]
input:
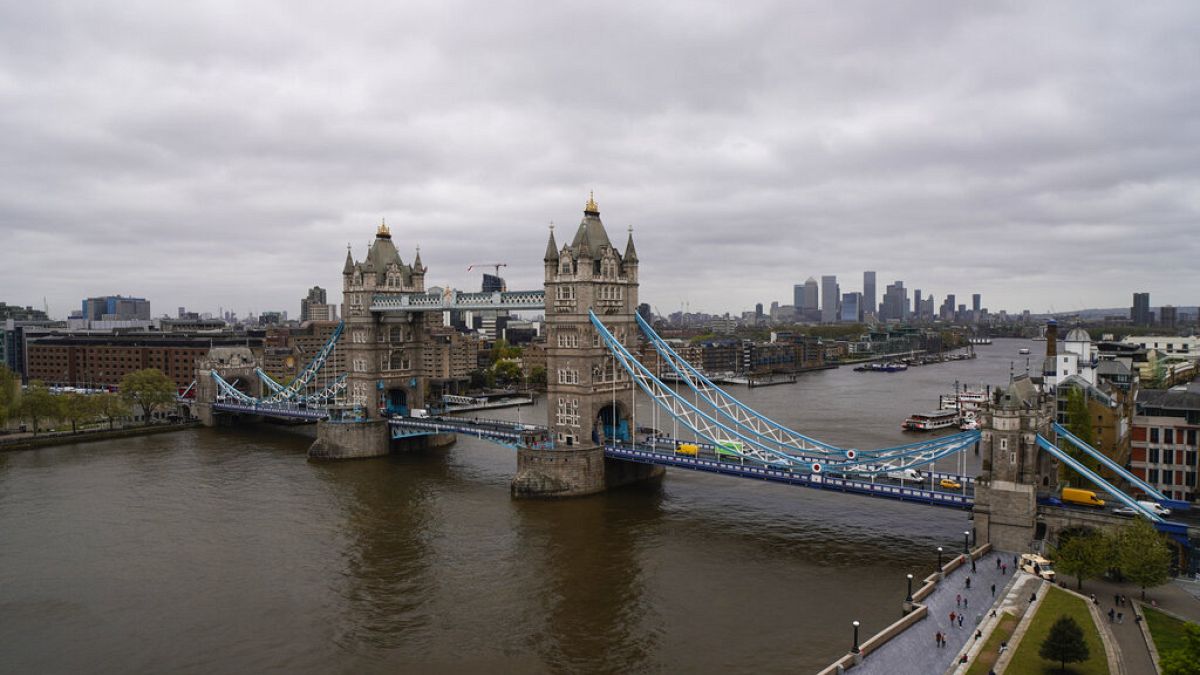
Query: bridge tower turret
[
  {"x": 1015, "y": 471},
  {"x": 589, "y": 396}
]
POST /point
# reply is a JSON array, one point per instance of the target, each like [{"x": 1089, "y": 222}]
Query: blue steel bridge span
[{"x": 730, "y": 438}]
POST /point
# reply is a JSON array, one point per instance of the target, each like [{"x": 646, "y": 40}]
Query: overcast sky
[{"x": 224, "y": 153}]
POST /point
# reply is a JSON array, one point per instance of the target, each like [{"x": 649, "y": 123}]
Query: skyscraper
[
  {"x": 895, "y": 303},
  {"x": 852, "y": 310},
  {"x": 810, "y": 306},
  {"x": 830, "y": 294},
  {"x": 1140, "y": 312},
  {"x": 798, "y": 296},
  {"x": 868, "y": 305},
  {"x": 916, "y": 313}
]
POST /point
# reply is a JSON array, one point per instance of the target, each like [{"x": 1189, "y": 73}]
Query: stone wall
[
  {"x": 350, "y": 440},
  {"x": 566, "y": 472}
]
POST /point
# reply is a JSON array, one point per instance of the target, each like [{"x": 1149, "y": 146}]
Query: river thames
[{"x": 224, "y": 550}]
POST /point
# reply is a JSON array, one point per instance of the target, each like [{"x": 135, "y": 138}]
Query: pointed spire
[
  {"x": 417, "y": 266},
  {"x": 591, "y": 204},
  {"x": 630, "y": 251},
  {"x": 551, "y": 246},
  {"x": 383, "y": 231},
  {"x": 349, "y": 267}
]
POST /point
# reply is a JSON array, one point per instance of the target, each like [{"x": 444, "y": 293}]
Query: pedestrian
[
  {"x": 993, "y": 614},
  {"x": 1116, "y": 599},
  {"x": 1014, "y": 562},
  {"x": 1124, "y": 601},
  {"x": 960, "y": 619},
  {"x": 968, "y": 583},
  {"x": 997, "y": 562},
  {"x": 937, "y": 638},
  {"x": 1094, "y": 600},
  {"x": 1004, "y": 569},
  {"x": 952, "y": 617},
  {"x": 958, "y": 600},
  {"x": 1137, "y": 618},
  {"x": 1033, "y": 597},
  {"x": 978, "y": 633},
  {"x": 993, "y": 590},
  {"x": 1111, "y": 614},
  {"x": 978, "y": 618},
  {"x": 965, "y": 603},
  {"x": 972, "y": 565},
  {"x": 1120, "y": 617}
]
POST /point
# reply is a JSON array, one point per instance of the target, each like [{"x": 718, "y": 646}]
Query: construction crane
[{"x": 495, "y": 266}]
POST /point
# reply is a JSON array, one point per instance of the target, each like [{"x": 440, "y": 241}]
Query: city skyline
[{"x": 764, "y": 144}]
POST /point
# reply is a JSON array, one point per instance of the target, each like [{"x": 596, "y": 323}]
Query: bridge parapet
[{"x": 455, "y": 300}]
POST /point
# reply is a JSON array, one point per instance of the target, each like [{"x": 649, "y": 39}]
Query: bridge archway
[
  {"x": 395, "y": 401},
  {"x": 612, "y": 424}
]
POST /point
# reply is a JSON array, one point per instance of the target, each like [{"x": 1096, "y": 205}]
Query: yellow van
[
  {"x": 1081, "y": 497},
  {"x": 688, "y": 449}
]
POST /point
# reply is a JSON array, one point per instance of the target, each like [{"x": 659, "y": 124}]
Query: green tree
[
  {"x": 10, "y": 393},
  {"x": 1065, "y": 643},
  {"x": 502, "y": 350},
  {"x": 537, "y": 376},
  {"x": 76, "y": 408},
  {"x": 1143, "y": 554},
  {"x": 37, "y": 404},
  {"x": 110, "y": 407},
  {"x": 1186, "y": 659},
  {"x": 148, "y": 389},
  {"x": 507, "y": 371},
  {"x": 1087, "y": 555}
]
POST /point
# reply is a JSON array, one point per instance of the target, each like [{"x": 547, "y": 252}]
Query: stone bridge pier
[{"x": 237, "y": 366}]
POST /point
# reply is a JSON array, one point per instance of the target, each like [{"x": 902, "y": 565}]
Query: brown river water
[{"x": 224, "y": 550}]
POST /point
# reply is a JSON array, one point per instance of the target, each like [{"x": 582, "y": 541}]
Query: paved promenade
[{"x": 915, "y": 651}]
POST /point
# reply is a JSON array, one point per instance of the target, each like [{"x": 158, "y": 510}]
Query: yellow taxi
[{"x": 950, "y": 484}]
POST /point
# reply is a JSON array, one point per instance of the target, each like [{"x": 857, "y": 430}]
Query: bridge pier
[
  {"x": 574, "y": 472},
  {"x": 351, "y": 440}
]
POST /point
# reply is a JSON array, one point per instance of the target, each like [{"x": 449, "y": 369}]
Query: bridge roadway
[
  {"x": 661, "y": 451},
  {"x": 283, "y": 411}
]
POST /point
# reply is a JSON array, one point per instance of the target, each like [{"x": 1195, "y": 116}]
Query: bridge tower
[
  {"x": 589, "y": 397},
  {"x": 383, "y": 350},
  {"x": 1015, "y": 471}
]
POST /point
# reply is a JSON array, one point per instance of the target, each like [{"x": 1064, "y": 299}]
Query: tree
[
  {"x": 537, "y": 376},
  {"x": 37, "y": 404},
  {"x": 1065, "y": 643},
  {"x": 1143, "y": 554},
  {"x": 1186, "y": 659},
  {"x": 502, "y": 350},
  {"x": 110, "y": 406},
  {"x": 507, "y": 371},
  {"x": 148, "y": 389},
  {"x": 10, "y": 393},
  {"x": 1086, "y": 555},
  {"x": 76, "y": 407}
]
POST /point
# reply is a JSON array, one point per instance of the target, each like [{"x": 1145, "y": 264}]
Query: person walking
[
  {"x": 968, "y": 583},
  {"x": 997, "y": 562},
  {"x": 958, "y": 600},
  {"x": 1120, "y": 617},
  {"x": 1111, "y": 614},
  {"x": 960, "y": 620},
  {"x": 1004, "y": 569},
  {"x": 953, "y": 616},
  {"x": 965, "y": 602},
  {"x": 937, "y": 638},
  {"x": 993, "y": 590},
  {"x": 972, "y": 565}
]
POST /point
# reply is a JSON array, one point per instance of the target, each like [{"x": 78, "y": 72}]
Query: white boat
[
  {"x": 968, "y": 422},
  {"x": 964, "y": 400},
  {"x": 930, "y": 421}
]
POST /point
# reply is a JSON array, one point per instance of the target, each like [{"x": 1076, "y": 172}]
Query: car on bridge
[
  {"x": 1153, "y": 507},
  {"x": 950, "y": 484}
]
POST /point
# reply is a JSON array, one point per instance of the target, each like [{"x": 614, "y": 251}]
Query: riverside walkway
[{"x": 915, "y": 652}]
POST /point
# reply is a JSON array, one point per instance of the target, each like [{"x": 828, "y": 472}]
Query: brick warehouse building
[
  {"x": 102, "y": 360},
  {"x": 1166, "y": 439}
]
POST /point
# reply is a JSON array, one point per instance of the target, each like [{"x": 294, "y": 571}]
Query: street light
[
  {"x": 966, "y": 544},
  {"x": 909, "y": 598},
  {"x": 939, "y": 559},
  {"x": 855, "y": 649}
]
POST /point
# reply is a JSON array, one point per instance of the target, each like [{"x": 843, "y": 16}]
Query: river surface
[{"x": 224, "y": 550}]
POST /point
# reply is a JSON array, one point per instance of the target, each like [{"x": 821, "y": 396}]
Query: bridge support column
[
  {"x": 204, "y": 413},
  {"x": 350, "y": 440},
  {"x": 570, "y": 472}
]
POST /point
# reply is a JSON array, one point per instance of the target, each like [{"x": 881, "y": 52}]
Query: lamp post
[
  {"x": 939, "y": 569},
  {"x": 909, "y": 598},
  {"x": 855, "y": 650},
  {"x": 966, "y": 542}
]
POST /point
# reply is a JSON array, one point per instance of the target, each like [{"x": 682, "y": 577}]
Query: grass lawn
[
  {"x": 1055, "y": 604},
  {"x": 1167, "y": 631},
  {"x": 991, "y": 649}
]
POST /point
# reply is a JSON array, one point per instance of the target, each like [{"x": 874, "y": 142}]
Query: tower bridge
[{"x": 590, "y": 440}]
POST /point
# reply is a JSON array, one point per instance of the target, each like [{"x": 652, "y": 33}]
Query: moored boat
[{"x": 930, "y": 421}]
